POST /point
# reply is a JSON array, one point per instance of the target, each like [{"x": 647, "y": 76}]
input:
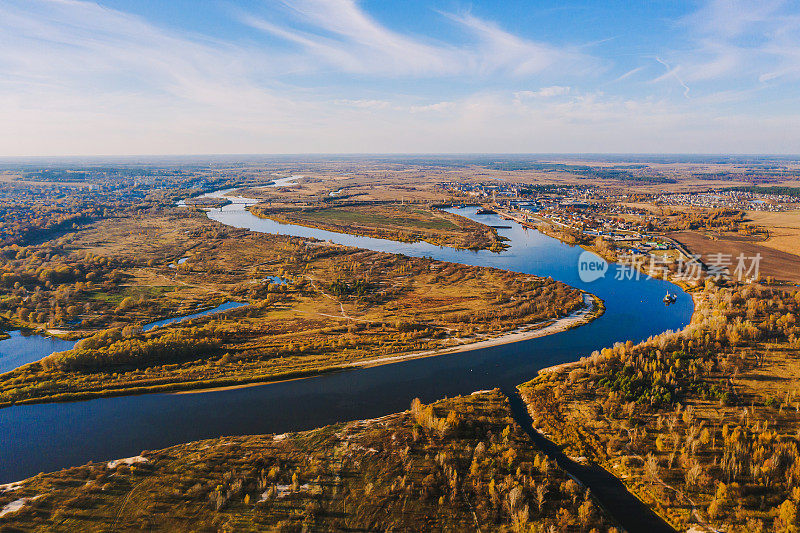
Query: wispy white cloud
[
  {"x": 742, "y": 39},
  {"x": 590, "y": 122},
  {"x": 544, "y": 92},
  {"x": 71, "y": 46},
  {"x": 438, "y": 107},
  {"x": 342, "y": 35},
  {"x": 673, "y": 74},
  {"x": 364, "y": 104},
  {"x": 502, "y": 50},
  {"x": 627, "y": 74},
  {"x": 79, "y": 78},
  {"x": 347, "y": 39}
]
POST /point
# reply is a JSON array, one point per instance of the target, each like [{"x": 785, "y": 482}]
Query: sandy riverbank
[
  {"x": 582, "y": 316},
  {"x": 578, "y": 318}
]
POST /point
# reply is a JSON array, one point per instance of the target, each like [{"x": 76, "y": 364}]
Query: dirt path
[{"x": 341, "y": 307}]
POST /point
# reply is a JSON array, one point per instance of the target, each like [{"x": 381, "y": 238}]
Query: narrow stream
[{"x": 20, "y": 348}]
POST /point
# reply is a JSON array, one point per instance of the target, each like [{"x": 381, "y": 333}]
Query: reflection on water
[
  {"x": 21, "y": 349},
  {"x": 218, "y": 309},
  {"x": 50, "y": 436}
]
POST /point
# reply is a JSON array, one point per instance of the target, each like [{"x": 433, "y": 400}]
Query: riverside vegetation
[
  {"x": 387, "y": 220},
  {"x": 338, "y": 305},
  {"x": 702, "y": 424},
  {"x": 456, "y": 464}
]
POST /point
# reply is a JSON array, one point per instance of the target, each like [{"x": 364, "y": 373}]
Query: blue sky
[{"x": 326, "y": 76}]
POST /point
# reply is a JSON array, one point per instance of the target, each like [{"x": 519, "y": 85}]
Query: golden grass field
[
  {"x": 784, "y": 230},
  {"x": 395, "y": 221}
]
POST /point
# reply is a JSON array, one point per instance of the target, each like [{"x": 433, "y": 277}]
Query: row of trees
[{"x": 110, "y": 349}]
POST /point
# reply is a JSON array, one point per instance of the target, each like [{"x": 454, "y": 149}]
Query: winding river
[{"x": 46, "y": 437}]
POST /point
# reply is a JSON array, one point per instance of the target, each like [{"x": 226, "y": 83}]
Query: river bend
[{"x": 46, "y": 437}]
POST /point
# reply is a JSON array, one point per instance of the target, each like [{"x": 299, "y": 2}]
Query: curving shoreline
[
  {"x": 293, "y": 403},
  {"x": 593, "y": 309},
  {"x": 496, "y": 245},
  {"x": 580, "y": 362}
]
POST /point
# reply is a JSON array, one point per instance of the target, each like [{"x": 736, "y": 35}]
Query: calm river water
[{"x": 46, "y": 437}]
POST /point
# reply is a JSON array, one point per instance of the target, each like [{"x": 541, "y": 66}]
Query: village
[
  {"x": 643, "y": 229},
  {"x": 731, "y": 199},
  {"x": 582, "y": 211}
]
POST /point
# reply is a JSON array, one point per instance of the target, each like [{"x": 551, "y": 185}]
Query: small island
[{"x": 390, "y": 220}]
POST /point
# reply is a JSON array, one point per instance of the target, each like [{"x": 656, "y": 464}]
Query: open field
[
  {"x": 783, "y": 228},
  {"x": 401, "y": 222},
  {"x": 337, "y": 306},
  {"x": 458, "y": 464},
  {"x": 775, "y": 263},
  {"x": 701, "y": 424},
  {"x": 17, "y": 178},
  {"x": 113, "y": 273},
  {"x": 414, "y": 177},
  {"x": 358, "y": 183}
]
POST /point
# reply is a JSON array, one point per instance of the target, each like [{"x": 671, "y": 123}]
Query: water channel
[{"x": 45, "y": 437}]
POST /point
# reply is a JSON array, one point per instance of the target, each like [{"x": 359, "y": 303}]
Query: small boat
[
  {"x": 486, "y": 211},
  {"x": 670, "y": 298}
]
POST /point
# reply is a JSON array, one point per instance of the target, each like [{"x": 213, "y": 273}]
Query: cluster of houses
[
  {"x": 731, "y": 199},
  {"x": 620, "y": 232},
  {"x": 495, "y": 190},
  {"x": 577, "y": 209}
]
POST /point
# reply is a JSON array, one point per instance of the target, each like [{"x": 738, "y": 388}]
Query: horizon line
[{"x": 400, "y": 154}]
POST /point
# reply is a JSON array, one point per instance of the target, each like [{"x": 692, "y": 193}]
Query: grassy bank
[
  {"x": 399, "y": 222},
  {"x": 458, "y": 464}
]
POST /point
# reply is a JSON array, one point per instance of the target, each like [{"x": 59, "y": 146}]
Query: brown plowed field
[{"x": 775, "y": 263}]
